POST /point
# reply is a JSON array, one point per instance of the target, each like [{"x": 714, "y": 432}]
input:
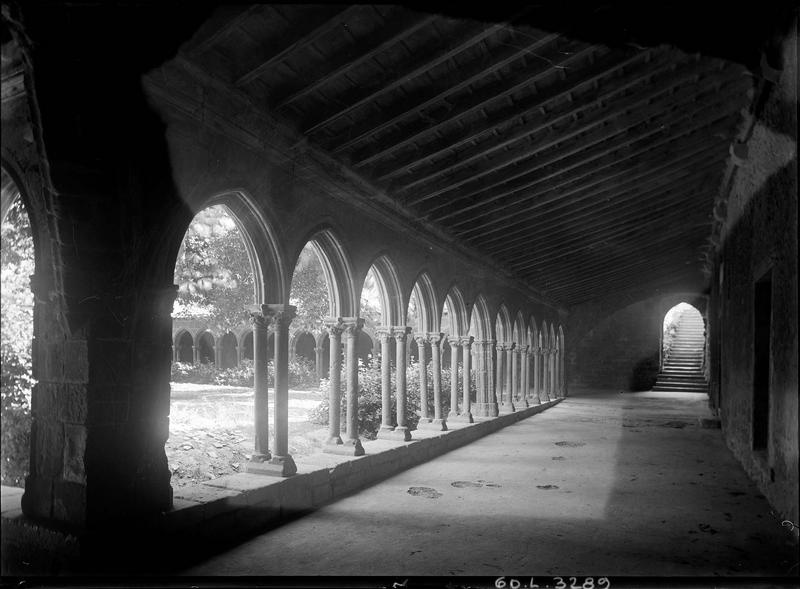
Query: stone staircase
[{"x": 683, "y": 367}]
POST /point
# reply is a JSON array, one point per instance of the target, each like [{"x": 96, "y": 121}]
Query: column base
[
  {"x": 437, "y": 425},
  {"x": 484, "y": 409},
  {"x": 521, "y": 404},
  {"x": 346, "y": 448},
  {"x": 506, "y": 407},
  {"x": 462, "y": 418},
  {"x": 399, "y": 433},
  {"x": 452, "y": 416},
  {"x": 277, "y": 466}
]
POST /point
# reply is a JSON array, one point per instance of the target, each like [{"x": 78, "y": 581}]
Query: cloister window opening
[
  {"x": 16, "y": 334},
  {"x": 310, "y": 295},
  {"x": 211, "y": 406}
]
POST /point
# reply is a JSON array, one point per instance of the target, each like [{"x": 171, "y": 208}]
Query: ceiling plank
[
  {"x": 636, "y": 155},
  {"x": 605, "y": 66},
  {"x": 298, "y": 44},
  {"x": 643, "y": 221},
  {"x": 654, "y": 115},
  {"x": 219, "y": 26},
  {"x": 653, "y": 91},
  {"x": 474, "y": 35},
  {"x": 394, "y": 32},
  {"x": 632, "y": 199},
  {"x": 405, "y": 109}
]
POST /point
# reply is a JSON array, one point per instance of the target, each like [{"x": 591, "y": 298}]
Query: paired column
[
  {"x": 351, "y": 443},
  {"x": 486, "y": 402},
  {"x": 335, "y": 328},
  {"x": 261, "y": 452},
  {"x": 438, "y": 422},
  {"x": 218, "y": 352},
  {"x": 536, "y": 380},
  {"x": 422, "y": 365},
  {"x": 280, "y": 463},
  {"x": 465, "y": 414},
  {"x": 506, "y": 350},
  {"x": 524, "y": 363},
  {"x": 516, "y": 386},
  {"x": 454, "y": 347},
  {"x": 385, "y": 335},
  {"x": 400, "y": 431}
]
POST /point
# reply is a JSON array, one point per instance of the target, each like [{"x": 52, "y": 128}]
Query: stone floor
[{"x": 602, "y": 484}]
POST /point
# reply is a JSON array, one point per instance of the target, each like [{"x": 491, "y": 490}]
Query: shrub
[
  {"x": 369, "y": 398},
  {"x": 16, "y": 417},
  {"x": 301, "y": 374}
]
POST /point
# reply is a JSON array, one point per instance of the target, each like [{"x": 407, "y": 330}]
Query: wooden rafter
[
  {"x": 396, "y": 31},
  {"x": 474, "y": 34},
  {"x": 478, "y": 71},
  {"x": 304, "y": 41}
]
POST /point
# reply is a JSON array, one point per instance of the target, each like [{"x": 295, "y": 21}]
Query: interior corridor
[{"x": 602, "y": 484}]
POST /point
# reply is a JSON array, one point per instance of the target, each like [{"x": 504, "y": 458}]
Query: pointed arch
[
  {"x": 427, "y": 318},
  {"x": 533, "y": 332},
  {"x": 457, "y": 312},
  {"x": 552, "y": 338},
  {"x": 480, "y": 325},
  {"x": 520, "y": 331},
  {"x": 388, "y": 290},
  {"x": 502, "y": 324},
  {"x": 544, "y": 338},
  {"x": 336, "y": 268}
]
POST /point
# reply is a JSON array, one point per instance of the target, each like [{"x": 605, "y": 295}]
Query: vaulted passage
[{"x": 537, "y": 264}]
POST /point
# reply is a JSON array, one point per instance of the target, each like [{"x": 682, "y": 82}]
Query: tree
[
  {"x": 213, "y": 271},
  {"x": 309, "y": 291}
]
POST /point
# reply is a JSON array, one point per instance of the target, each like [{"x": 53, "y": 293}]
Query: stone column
[
  {"x": 261, "y": 393},
  {"x": 239, "y": 352},
  {"x": 515, "y": 380},
  {"x": 174, "y": 353},
  {"x": 536, "y": 388},
  {"x": 422, "y": 364},
  {"x": 400, "y": 432},
  {"x": 319, "y": 353},
  {"x": 506, "y": 350},
  {"x": 499, "y": 386},
  {"x": 335, "y": 329},
  {"x": 454, "y": 347},
  {"x": 465, "y": 414},
  {"x": 524, "y": 364},
  {"x": 196, "y": 353},
  {"x": 486, "y": 402},
  {"x": 385, "y": 334},
  {"x": 283, "y": 462},
  {"x": 438, "y": 423},
  {"x": 546, "y": 375},
  {"x": 352, "y": 326}
]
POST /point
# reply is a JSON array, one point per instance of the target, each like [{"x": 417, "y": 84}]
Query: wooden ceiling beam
[
  {"x": 594, "y": 239},
  {"x": 638, "y": 158},
  {"x": 654, "y": 116},
  {"x": 610, "y": 111},
  {"x": 572, "y": 297},
  {"x": 631, "y": 200},
  {"x": 447, "y": 49},
  {"x": 642, "y": 179},
  {"x": 663, "y": 244},
  {"x": 219, "y": 26},
  {"x": 641, "y": 161},
  {"x": 603, "y": 67},
  {"x": 413, "y": 106},
  {"x": 368, "y": 48},
  {"x": 298, "y": 44}
]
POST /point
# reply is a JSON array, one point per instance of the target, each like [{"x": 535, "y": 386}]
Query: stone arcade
[{"x": 558, "y": 181}]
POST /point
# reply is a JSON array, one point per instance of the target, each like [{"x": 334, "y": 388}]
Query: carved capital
[
  {"x": 466, "y": 341},
  {"x": 454, "y": 340},
  {"x": 400, "y": 332},
  {"x": 501, "y": 346},
  {"x": 281, "y": 315},
  {"x": 259, "y": 322},
  {"x": 435, "y": 338},
  {"x": 421, "y": 339},
  {"x": 384, "y": 334},
  {"x": 352, "y": 325},
  {"x": 334, "y": 326}
]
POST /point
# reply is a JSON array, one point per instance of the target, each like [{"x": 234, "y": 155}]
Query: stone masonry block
[
  {"x": 76, "y": 361},
  {"x": 73, "y": 403},
  {"x": 38, "y": 498},
  {"x": 43, "y": 400},
  {"x": 321, "y": 493},
  {"x": 53, "y": 361},
  {"x": 74, "y": 452},
  {"x": 69, "y": 502},
  {"x": 111, "y": 363},
  {"x": 48, "y": 443},
  {"x": 295, "y": 496}
]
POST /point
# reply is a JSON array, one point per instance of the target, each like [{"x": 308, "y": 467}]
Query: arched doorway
[
  {"x": 683, "y": 336},
  {"x": 305, "y": 347},
  {"x": 228, "y": 351},
  {"x": 205, "y": 348},
  {"x": 185, "y": 348}
]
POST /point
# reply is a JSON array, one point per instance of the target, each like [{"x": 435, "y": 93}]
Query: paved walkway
[{"x": 601, "y": 484}]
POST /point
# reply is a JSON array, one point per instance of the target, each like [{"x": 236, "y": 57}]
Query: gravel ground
[{"x": 211, "y": 430}]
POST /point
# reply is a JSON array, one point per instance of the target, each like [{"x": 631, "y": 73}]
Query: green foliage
[
  {"x": 301, "y": 374},
  {"x": 309, "y": 291},
  {"x": 213, "y": 271},
  {"x": 369, "y": 398},
  {"x": 16, "y": 332}
]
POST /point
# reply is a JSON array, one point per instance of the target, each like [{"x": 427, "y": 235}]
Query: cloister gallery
[{"x": 532, "y": 188}]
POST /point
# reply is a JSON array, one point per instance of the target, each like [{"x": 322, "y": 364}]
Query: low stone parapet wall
[{"x": 212, "y": 515}]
